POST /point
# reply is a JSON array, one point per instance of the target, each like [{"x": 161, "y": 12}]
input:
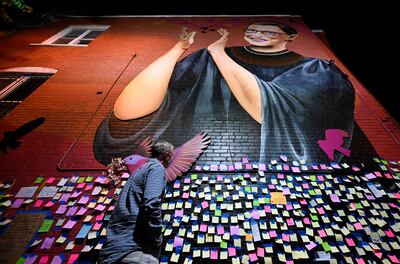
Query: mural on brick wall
[{"x": 261, "y": 100}]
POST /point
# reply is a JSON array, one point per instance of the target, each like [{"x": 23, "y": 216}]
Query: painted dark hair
[
  {"x": 285, "y": 28},
  {"x": 161, "y": 148}
]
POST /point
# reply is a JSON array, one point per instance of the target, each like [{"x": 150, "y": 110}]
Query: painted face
[{"x": 265, "y": 35}]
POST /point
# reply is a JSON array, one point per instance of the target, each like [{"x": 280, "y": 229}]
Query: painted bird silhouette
[{"x": 183, "y": 156}]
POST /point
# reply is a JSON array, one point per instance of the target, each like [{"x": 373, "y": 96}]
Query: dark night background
[{"x": 362, "y": 36}]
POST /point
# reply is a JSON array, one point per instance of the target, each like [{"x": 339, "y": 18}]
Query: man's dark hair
[
  {"x": 161, "y": 148},
  {"x": 285, "y": 28}
]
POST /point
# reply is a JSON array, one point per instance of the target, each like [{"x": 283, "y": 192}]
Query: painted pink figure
[{"x": 334, "y": 141}]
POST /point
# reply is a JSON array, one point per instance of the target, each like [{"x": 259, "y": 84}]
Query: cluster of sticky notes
[
  {"x": 283, "y": 212},
  {"x": 79, "y": 209}
]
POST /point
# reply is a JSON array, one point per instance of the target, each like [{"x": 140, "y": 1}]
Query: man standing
[{"x": 134, "y": 232}]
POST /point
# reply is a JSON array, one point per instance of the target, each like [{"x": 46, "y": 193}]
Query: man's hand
[
  {"x": 219, "y": 45},
  {"x": 185, "y": 39}
]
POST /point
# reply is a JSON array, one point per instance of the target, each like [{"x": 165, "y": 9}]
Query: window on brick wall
[
  {"x": 75, "y": 36},
  {"x": 15, "y": 87}
]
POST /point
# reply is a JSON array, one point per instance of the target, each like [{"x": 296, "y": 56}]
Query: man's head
[
  {"x": 269, "y": 34},
  {"x": 162, "y": 150}
]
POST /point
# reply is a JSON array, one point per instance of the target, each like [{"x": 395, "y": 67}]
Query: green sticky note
[
  {"x": 1, "y": 196},
  {"x": 240, "y": 177},
  {"x": 313, "y": 177},
  {"x": 267, "y": 200},
  {"x": 314, "y": 217},
  {"x": 377, "y": 160},
  {"x": 193, "y": 176},
  {"x": 89, "y": 179},
  {"x": 359, "y": 206},
  {"x": 247, "y": 189},
  {"x": 21, "y": 260},
  {"x": 256, "y": 203},
  {"x": 220, "y": 199},
  {"x": 223, "y": 244},
  {"x": 38, "y": 180},
  {"x": 217, "y": 212},
  {"x": 45, "y": 227},
  {"x": 311, "y": 192},
  {"x": 384, "y": 162},
  {"x": 80, "y": 180},
  {"x": 326, "y": 246}
]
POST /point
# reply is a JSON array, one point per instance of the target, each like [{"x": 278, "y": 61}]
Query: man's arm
[
  {"x": 241, "y": 82},
  {"x": 152, "y": 199},
  {"x": 145, "y": 93}
]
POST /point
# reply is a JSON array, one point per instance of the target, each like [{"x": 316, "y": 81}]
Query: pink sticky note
[
  {"x": 358, "y": 226},
  {"x": 89, "y": 187},
  {"x": 84, "y": 199},
  {"x": 203, "y": 228},
  {"x": 272, "y": 233},
  {"x": 223, "y": 167},
  {"x": 214, "y": 167},
  {"x": 306, "y": 221},
  {"x": 245, "y": 160},
  {"x": 296, "y": 170},
  {"x": 286, "y": 237},
  {"x": 360, "y": 260},
  {"x": 204, "y": 204},
  {"x": 178, "y": 241},
  {"x": 306, "y": 186},
  {"x": 177, "y": 185},
  {"x": 179, "y": 213},
  {"x": 17, "y": 203},
  {"x": 97, "y": 226},
  {"x": 255, "y": 214},
  {"x": 70, "y": 224},
  {"x": 253, "y": 257},
  {"x": 378, "y": 254},
  {"x": 214, "y": 254},
  {"x": 303, "y": 202},
  {"x": 231, "y": 168},
  {"x": 38, "y": 203},
  {"x": 286, "y": 167},
  {"x": 321, "y": 233},
  {"x": 49, "y": 204},
  {"x": 44, "y": 260},
  {"x": 314, "y": 167},
  {"x": 281, "y": 176},
  {"x": 393, "y": 258},
  {"x": 125, "y": 175},
  {"x": 320, "y": 210},
  {"x": 389, "y": 233},
  {"x": 235, "y": 230},
  {"x": 350, "y": 242},
  {"x": 262, "y": 167},
  {"x": 238, "y": 166},
  {"x": 311, "y": 245},
  {"x": 290, "y": 222},
  {"x": 231, "y": 251},
  {"x": 260, "y": 252},
  {"x": 320, "y": 178},
  {"x": 220, "y": 178},
  {"x": 197, "y": 168},
  {"x": 100, "y": 217},
  {"x": 285, "y": 191},
  {"x": 76, "y": 194},
  {"x": 370, "y": 176},
  {"x": 289, "y": 207},
  {"x": 73, "y": 258},
  {"x": 185, "y": 195},
  {"x": 81, "y": 185},
  {"x": 334, "y": 198},
  {"x": 267, "y": 209},
  {"x": 220, "y": 230},
  {"x": 323, "y": 166},
  {"x": 50, "y": 180},
  {"x": 186, "y": 180},
  {"x": 248, "y": 167},
  {"x": 100, "y": 207}
]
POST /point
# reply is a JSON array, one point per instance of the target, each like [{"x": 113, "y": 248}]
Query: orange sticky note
[{"x": 278, "y": 198}]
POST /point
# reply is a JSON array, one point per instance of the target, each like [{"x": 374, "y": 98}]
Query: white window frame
[
  {"x": 73, "y": 43},
  {"x": 12, "y": 86}
]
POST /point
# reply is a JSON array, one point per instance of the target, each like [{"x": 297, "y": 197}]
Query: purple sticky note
[
  {"x": 56, "y": 260},
  {"x": 70, "y": 224},
  {"x": 177, "y": 185},
  {"x": 81, "y": 211},
  {"x": 311, "y": 245},
  {"x": 214, "y": 167},
  {"x": 284, "y": 158},
  {"x": 286, "y": 191},
  {"x": 100, "y": 207},
  {"x": 334, "y": 141},
  {"x": 64, "y": 197},
  {"x": 84, "y": 199},
  {"x": 179, "y": 213},
  {"x": 31, "y": 259},
  {"x": 178, "y": 241},
  {"x": 186, "y": 180},
  {"x": 370, "y": 176},
  {"x": 61, "y": 209},
  {"x": 262, "y": 167},
  {"x": 334, "y": 198},
  {"x": 255, "y": 214},
  {"x": 235, "y": 230},
  {"x": 48, "y": 241},
  {"x": 17, "y": 203},
  {"x": 71, "y": 211},
  {"x": 223, "y": 167}
]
